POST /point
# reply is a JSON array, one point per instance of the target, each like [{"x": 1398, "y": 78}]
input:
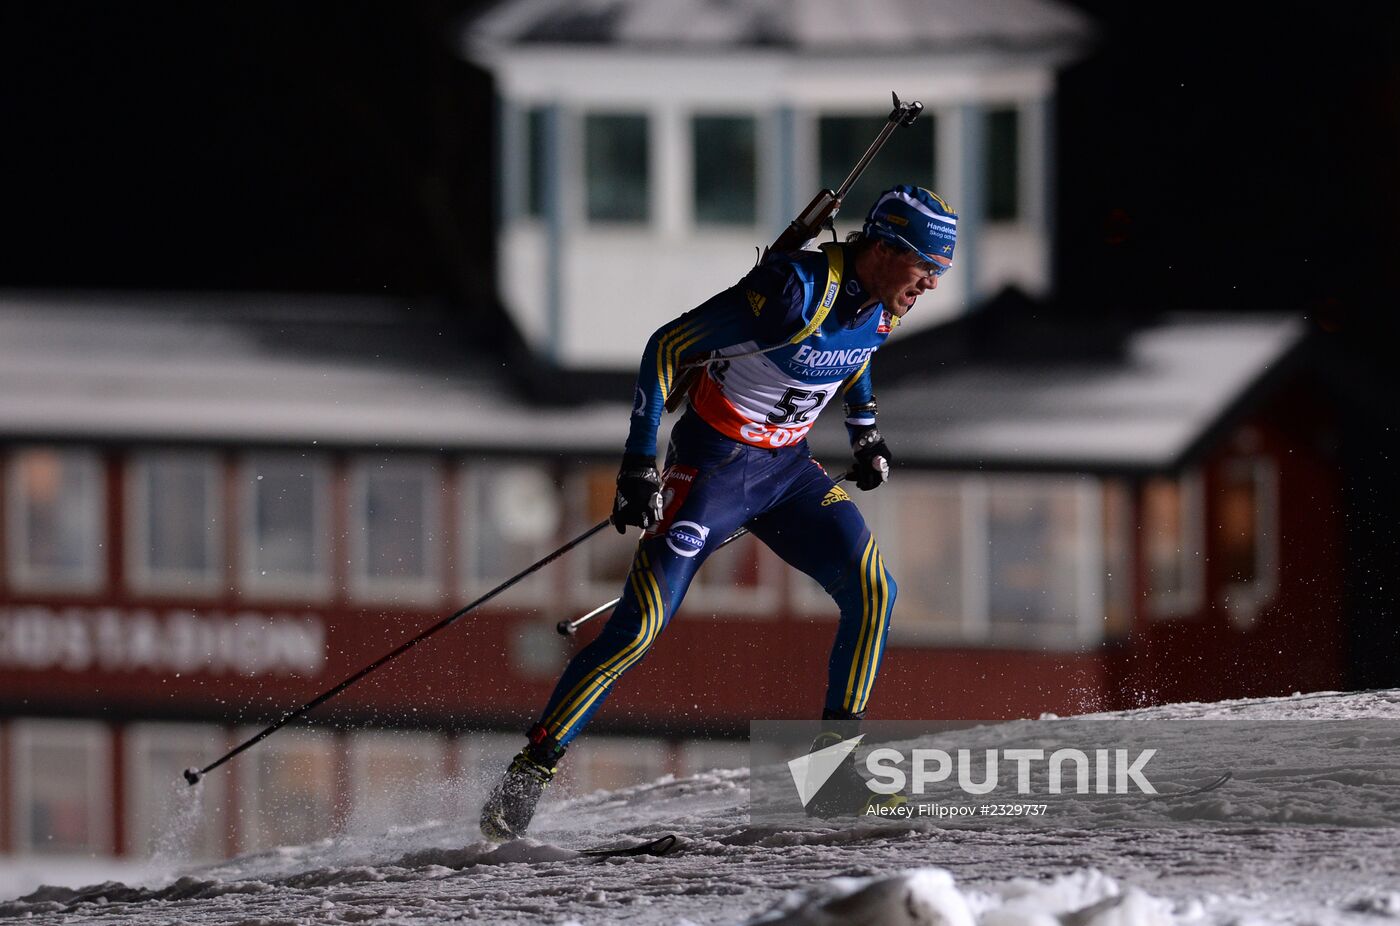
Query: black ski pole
[
  {"x": 569, "y": 628},
  {"x": 192, "y": 775}
]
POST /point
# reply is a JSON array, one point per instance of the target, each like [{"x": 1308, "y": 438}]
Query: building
[
  {"x": 215, "y": 509},
  {"x": 679, "y": 135}
]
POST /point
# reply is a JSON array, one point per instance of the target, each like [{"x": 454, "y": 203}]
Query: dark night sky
[{"x": 344, "y": 147}]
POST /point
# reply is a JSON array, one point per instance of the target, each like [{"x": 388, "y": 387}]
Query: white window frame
[
  {"x": 411, "y": 593},
  {"x": 92, "y": 736},
  {"x": 316, "y": 587},
  {"x": 200, "y": 741},
  {"x": 92, "y": 576},
  {"x": 1243, "y": 600},
  {"x": 538, "y": 590},
  {"x": 173, "y": 582},
  {"x": 1187, "y": 600}
]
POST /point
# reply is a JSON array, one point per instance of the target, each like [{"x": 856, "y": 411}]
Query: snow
[{"x": 1244, "y": 860}]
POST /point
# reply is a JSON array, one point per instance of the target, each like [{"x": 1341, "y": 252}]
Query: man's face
[{"x": 899, "y": 276}]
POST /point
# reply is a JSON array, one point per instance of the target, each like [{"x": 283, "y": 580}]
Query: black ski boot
[
  {"x": 510, "y": 807},
  {"x": 845, "y": 793}
]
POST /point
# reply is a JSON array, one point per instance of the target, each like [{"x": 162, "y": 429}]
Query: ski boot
[
  {"x": 845, "y": 793},
  {"x": 511, "y": 805}
]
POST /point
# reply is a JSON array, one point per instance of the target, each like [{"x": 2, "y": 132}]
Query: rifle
[{"x": 820, "y": 213}]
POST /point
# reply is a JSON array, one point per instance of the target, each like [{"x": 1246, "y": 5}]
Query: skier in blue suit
[{"x": 776, "y": 348}]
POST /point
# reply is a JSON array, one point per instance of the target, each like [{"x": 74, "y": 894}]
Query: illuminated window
[
  {"x": 1173, "y": 539},
  {"x": 725, "y": 155},
  {"x": 908, "y": 157},
  {"x": 62, "y": 787},
  {"x": 605, "y": 560},
  {"x": 511, "y": 514},
  {"x": 610, "y": 762},
  {"x": 176, "y": 525},
  {"x": 697, "y": 756},
  {"x": 735, "y": 580},
  {"x": 393, "y": 779},
  {"x": 394, "y": 536},
  {"x": 1246, "y": 536},
  {"x": 616, "y": 170},
  {"x": 166, "y": 818},
  {"x": 921, "y": 539},
  {"x": 1035, "y": 547},
  {"x": 287, "y": 790},
  {"x": 56, "y": 519},
  {"x": 286, "y": 525}
]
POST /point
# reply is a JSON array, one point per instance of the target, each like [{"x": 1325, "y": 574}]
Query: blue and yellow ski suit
[{"x": 781, "y": 344}]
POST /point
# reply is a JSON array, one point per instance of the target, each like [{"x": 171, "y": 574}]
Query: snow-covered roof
[
  {"x": 799, "y": 25},
  {"x": 375, "y": 372},
  {"x": 1144, "y": 411},
  {"x": 265, "y": 369}
]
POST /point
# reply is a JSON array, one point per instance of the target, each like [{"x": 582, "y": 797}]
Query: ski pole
[
  {"x": 569, "y": 628},
  {"x": 192, "y": 775}
]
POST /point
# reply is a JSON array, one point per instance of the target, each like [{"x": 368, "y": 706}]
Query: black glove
[
  {"x": 873, "y": 459},
  {"x": 638, "y": 500}
]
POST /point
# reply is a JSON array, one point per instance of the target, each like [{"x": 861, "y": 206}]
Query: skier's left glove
[
  {"x": 638, "y": 500},
  {"x": 873, "y": 459}
]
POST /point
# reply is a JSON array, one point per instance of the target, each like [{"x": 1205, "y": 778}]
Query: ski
[
  {"x": 659, "y": 846},
  {"x": 1201, "y": 790}
]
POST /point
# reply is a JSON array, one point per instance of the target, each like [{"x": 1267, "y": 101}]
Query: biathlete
[{"x": 775, "y": 348}]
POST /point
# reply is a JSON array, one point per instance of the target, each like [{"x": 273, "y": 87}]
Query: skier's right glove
[
  {"x": 638, "y": 500},
  {"x": 873, "y": 459}
]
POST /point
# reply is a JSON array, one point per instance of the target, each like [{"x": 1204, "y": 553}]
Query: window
[
  {"x": 511, "y": 513},
  {"x": 287, "y": 790},
  {"x": 156, "y": 755},
  {"x": 1034, "y": 550},
  {"x": 1003, "y": 165},
  {"x": 286, "y": 525},
  {"x": 395, "y": 537},
  {"x": 61, "y": 787},
  {"x": 56, "y": 519},
  {"x": 920, "y": 532},
  {"x": 1246, "y": 538},
  {"x": 737, "y": 579},
  {"x": 1173, "y": 541},
  {"x": 609, "y": 762},
  {"x": 392, "y": 779},
  {"x": 1118, "y": 559},
  {"x": 907, "y": 158},
  {"x": 726, "y": 164},
  {"x": 697, "y": 756},
  {"x": 176, "y": 525},
  {"x": 616, "y": 167},
  {"x": 608, "y": 556},
  {"x": 537, "y": 160}
]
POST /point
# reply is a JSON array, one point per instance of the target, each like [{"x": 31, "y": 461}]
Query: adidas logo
[{"x": 837, "y": 494}]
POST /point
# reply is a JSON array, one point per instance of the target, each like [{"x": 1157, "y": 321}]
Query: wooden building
[{"x": 216, "y": 508}]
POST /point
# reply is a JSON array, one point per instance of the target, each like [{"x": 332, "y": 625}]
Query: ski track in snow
[{"x": 1243, "y": 870}]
